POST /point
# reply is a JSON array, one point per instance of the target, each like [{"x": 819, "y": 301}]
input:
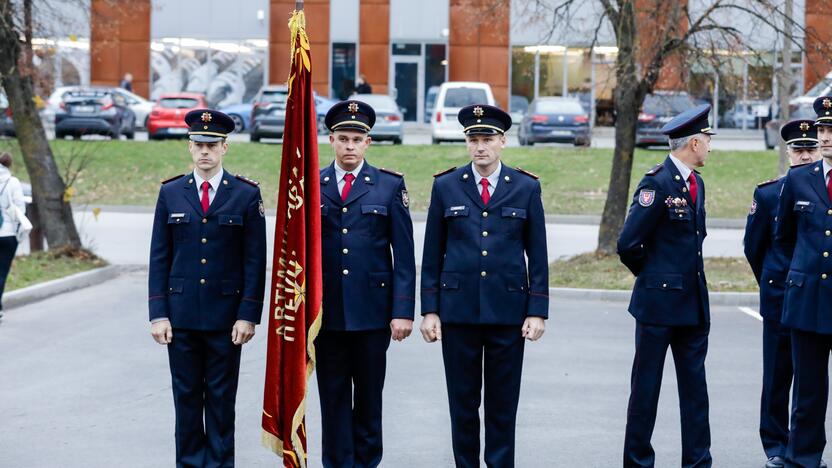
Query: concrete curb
[
  {"x": 41, "y": 291},
  {"x": 737, "y": 299}
]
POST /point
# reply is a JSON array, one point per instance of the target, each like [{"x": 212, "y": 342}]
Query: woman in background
[{"x": 11, "y": 193}]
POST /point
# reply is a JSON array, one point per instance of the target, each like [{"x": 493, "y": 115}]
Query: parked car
[
  {"x": 167, "y": 120},
  {"x": 322, "y": 106},
  {"x": 430, "y": 102},
  {"x": 556, "y": 120},
  {"x": 6, "y": 123},
  {"x": 268, "y": 114},
  {"x": 94, "y": 111},
  {"x": 751, "y": 113},
  {"x": 240, "y": 114},
  {"x": 658, "y": 109},
  {"x": 452, "y": 96},
  {"x": 804, "y": 110},
  {"x": 388, "y": 117},
  {"x": 519, "y": 106},
  {"x": 140, "y": 106}
]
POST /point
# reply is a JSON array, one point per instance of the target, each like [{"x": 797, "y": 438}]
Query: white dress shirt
[
  {"x": 684, "y": 170},
  {"x": 215, "y": 185},
  {"x": 826, "y": 168},
  {"x": 492, "y": 179},
  {"x": 340, "y": 173}
]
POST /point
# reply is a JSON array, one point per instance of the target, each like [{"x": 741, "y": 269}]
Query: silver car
[{"x": 388, "y": 117}]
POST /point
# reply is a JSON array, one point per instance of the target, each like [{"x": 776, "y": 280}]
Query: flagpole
[{"x": 299, "y": 5}]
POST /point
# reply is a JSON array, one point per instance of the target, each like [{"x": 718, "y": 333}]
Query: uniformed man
[
  {"x": 368, "y": 294},
  {"x": 805, "y": 220},
  {"x": 661, "y": 244},
  {"x": 770, "y": 263},
  {"x": 206, "y": 282},
  {"x": 480, "y": 296}
]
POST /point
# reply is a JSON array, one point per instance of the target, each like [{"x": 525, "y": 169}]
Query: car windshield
[
  {"x": 178, "y": 103},
  {"x": 378, "y": 102},
  {"x": 277, "y": 97},
  {"x": 803, "y": 111},
  {"x": 557, "y": 106},
  {"x": 88, "y": 97},
  {"x": 461, "y": 97},
  {"x": 667, "y": 104}
]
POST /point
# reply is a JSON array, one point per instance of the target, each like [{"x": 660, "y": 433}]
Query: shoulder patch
[
  {"x": 446, "y": 171},
  {"x": 247, "y": 180},
  {"x": 391, "y": 171},
  {"x": 530, "y": 174},
  {"x": 172, "y": 178},
  {"x": 768, "y": 182},
  {"x": 655, "y": 169}
]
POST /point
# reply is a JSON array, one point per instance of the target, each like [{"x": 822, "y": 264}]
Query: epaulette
[
  {"x": 655, "y": 169},
  {"x": 768, "y": 182},
  {"x": 530, "y": 174},
  {"x": 446, "y": 171},
  {"x": 247, "y": 180},
  {"x": 391, "y": 171},
  {"x": 172, "y": 178}
]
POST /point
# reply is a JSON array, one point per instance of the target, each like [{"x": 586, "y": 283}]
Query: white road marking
[{"x": 751, "y": 313}]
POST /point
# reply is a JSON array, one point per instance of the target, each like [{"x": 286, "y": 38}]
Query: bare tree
[
  {"x": 17, "y": 75},
  {"x": 654, "y": 38}
]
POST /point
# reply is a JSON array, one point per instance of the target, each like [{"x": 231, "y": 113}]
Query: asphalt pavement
[{"x": 84, "y": 385}]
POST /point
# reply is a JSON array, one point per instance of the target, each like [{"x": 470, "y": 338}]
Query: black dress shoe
[{"x": 775, "y": 462}]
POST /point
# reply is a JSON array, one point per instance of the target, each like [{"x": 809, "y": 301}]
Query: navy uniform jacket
[
  {"x": 662, "y": 246},
  {"x": 206, "y": 272},
  {"x": 474, "y": 263},
  {"x": 768, "y": 259},
  {"x": 364, "y": 288},
  {"x": 805, "y": 219}
]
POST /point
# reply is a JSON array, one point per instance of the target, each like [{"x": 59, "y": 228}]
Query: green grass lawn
[
  {"x": 39, "y": 267},
  {"x": 607, "y": 272},
  {"x": 574, "y": 179}
]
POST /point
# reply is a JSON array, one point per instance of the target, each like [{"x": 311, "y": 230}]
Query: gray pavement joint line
[{"x": 751, "y": 313}]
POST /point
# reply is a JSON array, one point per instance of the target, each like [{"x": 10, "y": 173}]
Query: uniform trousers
[
  {"x": 205, "y": 368},
  {"x": 351, "y": 366},
  {"x": 689, "y": 345},
  {"x": 475, "y": 355},
  {"x": 777, "y": 382},
  {"x": 807, "y": 438}
]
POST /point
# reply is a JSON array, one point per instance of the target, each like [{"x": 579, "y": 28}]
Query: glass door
[{"x": 407, "y": 79}]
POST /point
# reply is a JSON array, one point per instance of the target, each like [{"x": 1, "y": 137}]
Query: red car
[{"x": 167, "y": 119}]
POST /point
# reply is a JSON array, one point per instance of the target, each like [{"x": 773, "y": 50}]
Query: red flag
[{"x": 295, "y": 306}]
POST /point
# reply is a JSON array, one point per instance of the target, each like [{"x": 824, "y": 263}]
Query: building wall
[
  {"x": 211, "y": 20},
  {"x": 418, "y": 21},
  {"x": 478, "y": 46},
  {"x": 817, "y": 62},
  {"x": 374, "y": 43},
  {"x": 120, "y": 43},
  {"x": 317, "y": 27}
]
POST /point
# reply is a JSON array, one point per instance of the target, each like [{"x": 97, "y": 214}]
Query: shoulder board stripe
[
  {"x": 390, "y": 171},
  {"x": 247, "y": 180},
  {"x": 164, "y": 181},
  {"x": 655, "y": 169},
  {"x": 530, "y": 174},
  {"x": 446, "y": 171},
  {"x": 768, "y": 182}
]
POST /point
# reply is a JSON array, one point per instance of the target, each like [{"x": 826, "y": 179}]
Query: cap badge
[
  {"x": 206, "y": 116},
  {"x": 353, "y": 107},
  {"x": 478, "y": 111},
  {"x": 827, "y": 103},
  {"x": 804, "y": 127}
]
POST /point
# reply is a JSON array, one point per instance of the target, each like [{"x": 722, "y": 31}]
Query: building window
[
  {"x": 343, "y": 70},
  {"x": 406, "y": 49}
]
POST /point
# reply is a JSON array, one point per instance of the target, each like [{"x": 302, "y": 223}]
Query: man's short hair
[{"x": 679, "y": 143}]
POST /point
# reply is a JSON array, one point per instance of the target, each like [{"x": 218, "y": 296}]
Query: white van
[{"x": 452, "y": 96}]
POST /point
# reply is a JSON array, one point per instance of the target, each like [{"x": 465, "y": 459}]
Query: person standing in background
[{"x": 11, "y": 193}]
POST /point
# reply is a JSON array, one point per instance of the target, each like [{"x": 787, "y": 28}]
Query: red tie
[
  {"x": 693, "y": 187},
  {"x": 205, "y": 187},
  {"x": 829, "y": 186},
  {"x": 485, "y": 195},
  {"x": 348, "y": 178}
]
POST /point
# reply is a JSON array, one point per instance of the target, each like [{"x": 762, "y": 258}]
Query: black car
[
  {"x": 6, "y": 124},
  {"x": 269, "y": 113},
  {"x": 554, "y": 120},
  {"x": 658, "y": 109},
  {"x": 94, "y": 111}
]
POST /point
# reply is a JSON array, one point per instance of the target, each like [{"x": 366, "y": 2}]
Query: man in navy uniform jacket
[
  {"x": 770, "y": 263},
  {"x": 369, "y": 294},
  {"x": 206, "y": 282},
  {"x": 661, "y": 244},
  {"x": 804, "y": 216},
  {"x": 479, "y": 294}
]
